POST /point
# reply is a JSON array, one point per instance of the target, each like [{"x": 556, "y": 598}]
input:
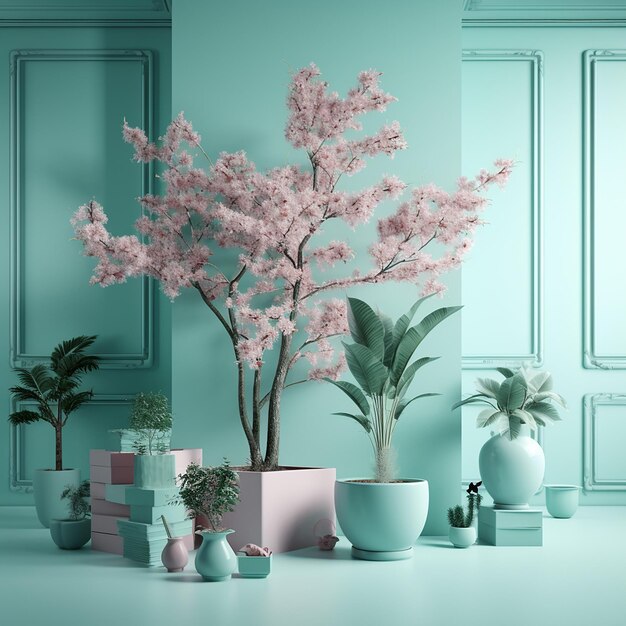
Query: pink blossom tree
[{"x": 271, "y": 295}]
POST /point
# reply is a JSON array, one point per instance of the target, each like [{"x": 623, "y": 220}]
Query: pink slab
[
  {"x": 107, "y": 543},
  {"x": 114, "y": 475},
  {"x": 106, "y": 458},
  {"x": 105, "y": 523},
  {"x": 102, "y": 507},
  {"x": 97, "y": 490},
  {"x": 280, "y": 509},
  {"x": 184, "y": 456}
]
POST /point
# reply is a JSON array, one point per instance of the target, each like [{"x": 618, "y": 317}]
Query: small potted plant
[
  {"x": 209, "y": 493},
  {"x": 151, "y": 422},
  {"x": 73, "y": 533},
  {"x": 383, "y": 517},
  {"x": 512, "y": 463},
  {"x": 462, "y": 531},
  {"x": 54, "y": 389},
  {"x": 254, "y": 561}
]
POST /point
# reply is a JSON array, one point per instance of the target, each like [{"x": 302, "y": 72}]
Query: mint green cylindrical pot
[
  {"x": 155, "y": 471},
  {"x": 48, "y": 485},
  {"x": 512, "y": 470},
  {"x": 562, "y": 500},
  {"x": 215, "y": 559},
  {"x": 382, "y": 521}
]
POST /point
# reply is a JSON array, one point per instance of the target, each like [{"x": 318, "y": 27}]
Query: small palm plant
[
  {"x": 79, "y": 507},
  {"x": 151, "y": 421},
  {"x": 209, "y": 491},
  {"x": 379, "y": 360},
  {"x": 523, "y": 397},
  {"x": 54, "y": 388}
]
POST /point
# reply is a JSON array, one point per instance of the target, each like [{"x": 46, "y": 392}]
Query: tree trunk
[{"x": 59, "y": 446}]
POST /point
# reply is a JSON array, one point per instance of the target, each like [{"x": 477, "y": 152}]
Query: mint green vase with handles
[{"x": 215, "y": 559}]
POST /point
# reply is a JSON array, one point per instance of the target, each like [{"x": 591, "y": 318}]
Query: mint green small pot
[
  {"x": 70, "y": 534},
  {"x": 254, "y": 566},
  {"x": 462, "y": 537},
  {"x": 382, "y": 521},
  {"x": 562, "y": 500},
  {"x": 215, "y": 559}
]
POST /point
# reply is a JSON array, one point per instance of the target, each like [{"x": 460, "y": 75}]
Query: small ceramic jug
[{"x": 175, "y": 556}]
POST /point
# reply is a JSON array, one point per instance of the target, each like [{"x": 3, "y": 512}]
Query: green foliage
[
  {"x": 151, "y": 420},
  {"x": 79, "y": 507},
  {"x": 209, "y": 491},
  {"x": 380, "y": 361},
  {"x": 53, "y": 388},
  {"x": 523, "y": 397},
  {"x": 460, "y": 519}
]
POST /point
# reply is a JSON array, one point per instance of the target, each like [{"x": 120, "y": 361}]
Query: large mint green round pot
[
  {"x": 382, "y": 521},
  {"x": 48, "y": 485},
  {"x": 512, "y": 470},
  {"x": 215, "y": 559}
]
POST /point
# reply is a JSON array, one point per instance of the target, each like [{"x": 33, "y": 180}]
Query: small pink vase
[{"x": 175, "y": 555}]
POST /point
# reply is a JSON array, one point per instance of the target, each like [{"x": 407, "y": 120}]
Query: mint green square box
[
  {"x": 502, "y": 527},
  {"x": 152, "y": 514},
  {"x": 151, "y": 497}
]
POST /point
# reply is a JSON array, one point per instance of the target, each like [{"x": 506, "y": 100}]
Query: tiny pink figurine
[
  {"x": 252, "y": 549},
  {"x": 327, "y": 542}
]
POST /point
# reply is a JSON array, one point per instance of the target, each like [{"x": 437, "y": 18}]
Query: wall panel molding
[
  {"x": 592, "y": 404},
  {"x": 17, "y": 446},
  {"x": 535, "y": 356},
  {"x": 19, "y": 61},
  {"x": 592, "y": 358}
]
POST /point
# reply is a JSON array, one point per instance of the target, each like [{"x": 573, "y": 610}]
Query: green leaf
[
  {"x": 512, "y": 393},
  {"x": 365, "y": 327},
  {"x": 24, "y": 417},
  {"x": 543, "y": 411},
  {"x": 541, "y": 381},
  {"x": 476, "y": 398},
  {"x": 369, "y": 371},
  {"x": 414, "y": 336},
  {"x": 505, "y": 371},
  {"x": 354, "y": 393},
  {"x": 361, "y": 419},
  {"x": 405, "y": 320},
  {"x": 487, "y": 417},
  {"x": 409, "y": 374},
  {"x": 526, "y": 417},
  {"x": 550, "y": 395},
  {"x": 36, "y": 379},
  {"x": 509, "y": 427},
  {"x": 488, "y": 386},
  {"x": 69, "y": 348},
  {"x": 404, "y": 403},
  {"x": 73, "y": 401},
  {"x": 389, "y": 347}
]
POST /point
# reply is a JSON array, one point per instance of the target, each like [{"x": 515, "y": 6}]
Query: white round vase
[{"x": 512, "y": 470}]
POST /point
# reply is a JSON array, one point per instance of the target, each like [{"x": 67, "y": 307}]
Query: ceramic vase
[
  {"x": 462, "y": 537},
  {"x": 70, "y": 534},
  {"x": 215, "y": 559},
  {"x": 382, "y": 521},
  {"x": 48, "y": 485},
  {"x": 512, "y": 470},
  {"x": 175, "y": 555}
]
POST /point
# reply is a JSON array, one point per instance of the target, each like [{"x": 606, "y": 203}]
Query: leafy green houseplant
[
  {"x": 54, "y": 388},
  {"x": 73, "y": 533},
  {"x": 523, "y": 397},
  {"x": 151, "y": 421},
  {"x": 380, "y": 361},
  {"x": 209, "y": 493}
]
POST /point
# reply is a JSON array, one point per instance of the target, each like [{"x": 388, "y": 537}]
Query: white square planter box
[{"x": 279, "y": 510}]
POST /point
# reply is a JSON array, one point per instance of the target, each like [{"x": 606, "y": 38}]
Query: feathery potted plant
[
  {"x": 262, "y": 293},
  {"x": 462, "y": 533},
  {"x": 54, "y": 390},
  {"x": 73, "y": 533},
  {"x": 383, "y": 517},
  {"x": 151, "y": 423},
  {"x": 512, "y": 463},
  {"x": 208, "y": 493}
]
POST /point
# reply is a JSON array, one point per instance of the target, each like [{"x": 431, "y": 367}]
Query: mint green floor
[{"x": 577, "y": 578}]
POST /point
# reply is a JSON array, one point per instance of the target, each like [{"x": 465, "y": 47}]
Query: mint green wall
[
  {"x": 61, "y": 111},
  {"x": 231, "y": 67},
  {"x": 550, "y": 265}
]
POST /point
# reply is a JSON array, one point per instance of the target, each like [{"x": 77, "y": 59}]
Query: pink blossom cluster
[{"x": 271, "y": 219}]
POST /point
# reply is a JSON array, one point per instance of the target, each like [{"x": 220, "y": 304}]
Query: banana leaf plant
[
  {"x": 525, "y": 396},
  {"x": 380, "y": 361},
  {"x": 54, "y": 388}
]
